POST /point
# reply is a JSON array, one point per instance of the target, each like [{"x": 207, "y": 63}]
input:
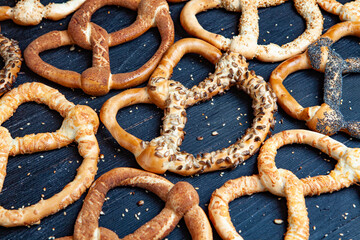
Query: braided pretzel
[
  {"x": 181, "y": 200},
  {"x": 326, "y": 118},
  {"x": 98, "y": 79},
  {"x": 162, "y": 153},
  {"x": 80, "y": 125},
  {"x": 11, "y": 53},
  {"x": 246, "y": 42},
  {"x": 348, "y": 12},
  {"x": 31, "y": 12},
  {"x": 284, "y": 183}
]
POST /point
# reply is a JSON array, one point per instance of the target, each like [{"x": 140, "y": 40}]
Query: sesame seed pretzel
[
  {"x": 98, "y": 80},
  {"x": 284, "y": 183},
  {"x": 80, "y": 124},
  {"x": 181, "y": 200},
  {"x": 11, "y": 53},
  {"x": 162, "y": 154},
  {"x": 31, "y": 12},
  {"x": 348, "y": 12},
  {"x": 326, "y": 118},
  {"x": 246, "y": 42}
]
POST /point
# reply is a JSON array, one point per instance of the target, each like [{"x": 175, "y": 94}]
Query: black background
[{"x": 335, "y": 215}]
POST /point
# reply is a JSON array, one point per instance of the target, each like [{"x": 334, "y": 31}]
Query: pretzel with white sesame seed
[
  {"x": 80, "y": 124},
  {"x": 11, "y": 53},
  {"x": 246, "y": 42},
  {"x": 327, "y": 118},
  {"x": 347, "y": 12},
  {"x": 284, "y": 183},
  {"x": 181, "y": 200},
  {"x": 31, "y": 12},
  {"x": 161, "y": 154},
  {"x": 98, "y": 80}
]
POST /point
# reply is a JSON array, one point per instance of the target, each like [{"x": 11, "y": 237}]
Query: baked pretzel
[
  {"x": 11, "y": 53},
  {"x": 348, "y": 12},
  {"x": 31, "y": 12},
  {"x": 246, "y": 42},
  {"x": 98, "y": 79},
  {"x": 326, "y": 118},
  {"x": 284, "y": 183},
  {"x": 181, "y": 200},
  {"x": 162, "y": 154},
  {"x": 80, "y": 124}
]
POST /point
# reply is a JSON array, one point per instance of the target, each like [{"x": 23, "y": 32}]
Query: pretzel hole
[{"x": 229, "y": 116}]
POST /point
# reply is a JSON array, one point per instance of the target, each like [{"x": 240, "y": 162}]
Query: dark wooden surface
[{"x": 332, "y": 216}]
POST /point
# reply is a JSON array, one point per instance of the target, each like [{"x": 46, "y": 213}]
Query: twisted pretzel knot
[
  {"x": 80, "y": 125},
  {"x": 348, "y": 12},
  {"x": 31, "y": 12},
  {"x": 11, "y": 53},
  {"x": 161, "y": 153},
  {"x": 284, "y": 183},
  {"x": 181, "y": 200},
  {"x": 246, "y": 42},
  {"x": 98, "y": 79},
  {"x": 326, "y": 118}
]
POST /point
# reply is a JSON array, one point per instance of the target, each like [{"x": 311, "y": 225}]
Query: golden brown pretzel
[
  {"x": 246, "y": 42},
  {"x": 348, "y": 12},
  {"x": 284, "y": 183},
  {"x": 98, "y": 80},
  {"x": 181, "y": 200},
  {"x": 31, "y": 12},
  {"x": 326, "y": 118},
  {"x": 11, "y": 53},
  {"x": 80, "y": 124},
  {"x": 162, "y": 154}
]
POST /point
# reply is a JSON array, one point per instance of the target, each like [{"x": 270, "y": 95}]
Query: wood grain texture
[{"x": 335, "y": 215}]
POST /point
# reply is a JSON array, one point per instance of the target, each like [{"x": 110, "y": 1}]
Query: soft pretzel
[
  {"x": 326, "y": 118},
  {"x": 98, "y": 80},
  {"x": 348, "y": 12},
  {"x": 162, "y": 154},
  {"x": 80, "y": 124},
  {"x": 181, "y": 200},
  {"x": 246, "y": 42},
  {"x": 284, "y": 183},
  {"x": 31, "y": 12},
  {"x": 11, "y": 53}
]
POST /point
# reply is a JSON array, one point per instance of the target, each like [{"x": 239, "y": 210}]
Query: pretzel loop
[
  {"x": 347, "y": 12},
  {"x": 326, "y": 118},
  {"x": 80, "y": 125}
]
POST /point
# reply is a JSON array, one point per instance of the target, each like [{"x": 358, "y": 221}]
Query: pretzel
[
  {"x": 326, "y": 118},
  {"x": 161, "y": 154},
  {"x": 246, "y": 42},
  {"x": 181, "y": 200},
  {"x": 348, "y": 12},
  {"x": 284, "y": 183},
  {"x": 98, "y": 79},
  {"x": 11, "y": 53},
  {"x": 80, "y": 124},
  {"x": 31, "y": 12}
]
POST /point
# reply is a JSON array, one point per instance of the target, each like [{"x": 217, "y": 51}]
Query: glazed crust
[
  {"x": 350, "y": 11},
  {"x": 98, "y": 80},
  {"x": 80, "y": 125},
  {"x": 326, "y": 118},
  {"x": 246, "y": 42},
  {"x": 162, "y": 154}
]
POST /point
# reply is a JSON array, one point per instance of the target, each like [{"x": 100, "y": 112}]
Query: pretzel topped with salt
[
  {"x": 80, "y": 124},
  {"x": 181, "y": 200},
  {"x": 326, "y": 118},
  {"x": 98, "y": 80},
  {"x": 31, "y": 12},
  {"x": 162, "y": 154},
  {"x": 246, "y": 42},
  {"x": 349, "y": 11},
  {"x": 284, "y": 183}
]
